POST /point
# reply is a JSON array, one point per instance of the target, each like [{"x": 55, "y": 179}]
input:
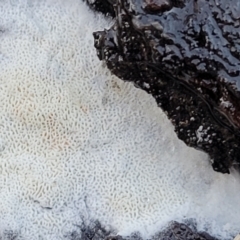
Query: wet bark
[{"x": 186, "y": 54}]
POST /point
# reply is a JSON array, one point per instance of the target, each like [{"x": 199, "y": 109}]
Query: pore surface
[{"x": 77, "y": 143}]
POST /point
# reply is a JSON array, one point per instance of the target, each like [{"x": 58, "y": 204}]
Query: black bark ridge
[
  {"x": 186, "y": 54},
  {"x": 103, "y": 6},
  {"x": 174, "y": 231}
]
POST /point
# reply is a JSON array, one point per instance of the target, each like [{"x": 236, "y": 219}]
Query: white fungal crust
[{"x": 76, "y": 142}]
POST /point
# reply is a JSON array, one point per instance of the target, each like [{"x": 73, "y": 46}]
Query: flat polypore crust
[
  {"x": 77, "y": 143},
  {"x": 186, "y": 54}
]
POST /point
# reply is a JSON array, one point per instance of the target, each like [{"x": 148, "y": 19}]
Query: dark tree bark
[
  {"x": 175, "y": 231},
  {"x": 103, "y": 6},
  {"x": 186, "y": 54}
]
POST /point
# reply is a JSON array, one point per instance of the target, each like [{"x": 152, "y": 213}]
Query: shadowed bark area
[
  {"x": 175, "y": 231},
  {"x": 186, "y": 54},
  {"x": 104, "y": 6}
]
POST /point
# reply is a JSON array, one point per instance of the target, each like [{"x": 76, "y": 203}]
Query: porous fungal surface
[{"x": 78, "y": 144}]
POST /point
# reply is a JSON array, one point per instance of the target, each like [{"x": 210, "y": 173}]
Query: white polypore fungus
[{"x": 76, "y": 142}]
